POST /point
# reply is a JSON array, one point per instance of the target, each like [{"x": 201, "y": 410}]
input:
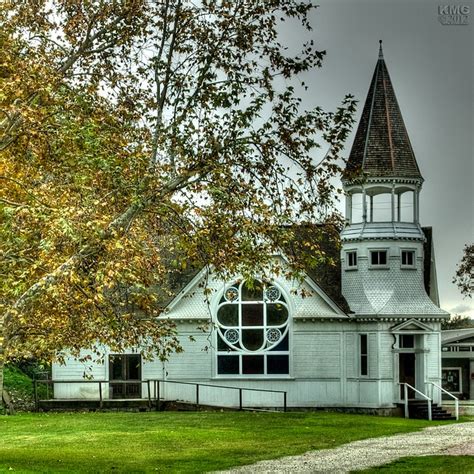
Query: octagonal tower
[{"x": 382, "y": 243}]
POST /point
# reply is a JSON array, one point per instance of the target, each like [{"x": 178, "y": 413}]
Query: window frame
[
  {"x": 402, "y": 342},
  {"x": 364, "y": 356},
  {"x": 348, "y": 266},
  {"x": 457, "y": 369},
  {"x": 406, "y": 265},
  {"x": 268, "y": 349},
  {"x": 379, "y": 265}
]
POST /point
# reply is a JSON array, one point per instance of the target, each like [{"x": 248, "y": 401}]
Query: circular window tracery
[
  {"x": 231, "y": 294},
  {"x": 231, "y": 335},
  {"x": 273, "y": 335},
  {"x": 252, "y": 329},
  {"x": 272, "y": 293}
]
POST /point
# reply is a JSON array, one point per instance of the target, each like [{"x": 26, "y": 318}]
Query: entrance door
[
  {"x": 125, "y": 367},
  {"x": 407, "y": 372}
]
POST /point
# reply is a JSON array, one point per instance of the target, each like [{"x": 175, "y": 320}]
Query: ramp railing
[
  {"x": 197, "y": 387},
  {"x": 154, "y": 391}
]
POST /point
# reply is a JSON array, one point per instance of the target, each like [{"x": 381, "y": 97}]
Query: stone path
[{"x": 455, "y": 439}]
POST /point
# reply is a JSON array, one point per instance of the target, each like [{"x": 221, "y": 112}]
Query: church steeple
[
  {"x": 382, "y": 250},
  {"x": 381, "y": 146}
]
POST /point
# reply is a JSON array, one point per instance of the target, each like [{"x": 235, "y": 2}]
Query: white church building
[{"x": 366, "y": 335}]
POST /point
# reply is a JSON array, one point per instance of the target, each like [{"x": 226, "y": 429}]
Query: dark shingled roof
[
  {"x": 326, "y": 275},
  {"x": 381, "y": 146},
  {"x": 427, "y": 246}
]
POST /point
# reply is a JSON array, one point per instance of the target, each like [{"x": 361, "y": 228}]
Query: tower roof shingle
[{"x": 381, "y": 146}]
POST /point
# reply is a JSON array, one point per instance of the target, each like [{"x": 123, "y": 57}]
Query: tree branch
[{"x": 19, "y": 183}]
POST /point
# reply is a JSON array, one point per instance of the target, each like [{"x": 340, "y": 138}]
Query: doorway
[
  {"x": 125, "y": 368},
  {"x": 407, "y": 363}
]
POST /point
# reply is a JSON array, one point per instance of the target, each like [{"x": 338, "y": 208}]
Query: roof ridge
[
  {"x": 387, "y": 115},
  {"x": 376, "y": 74}
]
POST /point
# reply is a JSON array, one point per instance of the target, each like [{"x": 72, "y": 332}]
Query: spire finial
[{"x": 380, "y": 50}]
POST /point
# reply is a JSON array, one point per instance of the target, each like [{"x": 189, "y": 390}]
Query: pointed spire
[{"x": 381, "y": 146}]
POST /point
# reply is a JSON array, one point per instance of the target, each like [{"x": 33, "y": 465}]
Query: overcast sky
[{"x": 431, "y": 67}]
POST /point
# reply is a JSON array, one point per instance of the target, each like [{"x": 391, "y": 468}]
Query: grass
[
  {"x": 176, "y": 441},
  {"x": 16, "y": 380},
  {"x": 428, "y": 465},
  {"x": 20, "y": 388}
]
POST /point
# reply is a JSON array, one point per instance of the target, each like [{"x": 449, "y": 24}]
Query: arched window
[
  {"x": 406, "y": 203},
  {"x": 252, "y": 330}
]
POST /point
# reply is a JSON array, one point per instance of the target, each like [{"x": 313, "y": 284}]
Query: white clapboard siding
[
  {"x": 73, "y": 369},
  {"x": 152, "y": 370},
  {"x": 317, "y": 355},
  {"x": 351, "y": 355},
  {"x": 388, "y": 391},
  {"x": 369, "y": 393},
  {"x": 386, "y": 355},
  {"x": 373, "y": 349},
  {"x": 433, "y": 363},
  {"x": 196, "y": 360},
  {"x": 352, "y": 392}
]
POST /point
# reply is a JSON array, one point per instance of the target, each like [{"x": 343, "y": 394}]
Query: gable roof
[
  {"x": 316, "y": 305},
  {"x": 338, "y": 307},
  {"x": 455, "y": 335},
  {"x": 412, "y": 326},
  {"x": 381, "y": 146},
  {"x": 327, "y": 275}
]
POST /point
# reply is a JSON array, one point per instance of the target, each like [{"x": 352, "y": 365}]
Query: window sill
[
  {"x": 407, "y": 350},
  {"x": 257, "y": 377},
  {"x": 379, "y": 267},
  {"x": 351, "y": 269}
]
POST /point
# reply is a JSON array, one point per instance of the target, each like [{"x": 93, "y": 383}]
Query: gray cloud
[
  {"x": 462, "y": 309},
  {"x": 431, "y": 66}
]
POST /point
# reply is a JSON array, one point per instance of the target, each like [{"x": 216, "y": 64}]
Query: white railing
[
  {"x": 406, "y": 386},
  {"x": 456, "y": 399}
]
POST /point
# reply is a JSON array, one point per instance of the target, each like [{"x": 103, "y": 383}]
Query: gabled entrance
[
  {"x": 409, "y": 356},
  {"x": 125, "y": 368}
]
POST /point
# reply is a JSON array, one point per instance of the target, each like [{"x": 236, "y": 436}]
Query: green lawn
[
  {"x": 20, "y": 388},
  {"x": 428, "y": 465},
  {"x": 176, "y": 441}
]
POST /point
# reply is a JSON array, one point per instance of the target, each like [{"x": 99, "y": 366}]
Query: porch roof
[{"x": 455, "y": 335}]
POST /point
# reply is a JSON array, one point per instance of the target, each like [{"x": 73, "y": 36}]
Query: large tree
[
  {"x": 464, "y": 277},
  {"x": 140, "y": 140}
]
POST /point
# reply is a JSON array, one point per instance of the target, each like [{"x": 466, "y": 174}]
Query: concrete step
[{"x": 419, "y": 409}]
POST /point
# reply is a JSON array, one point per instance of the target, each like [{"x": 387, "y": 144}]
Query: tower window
[
  {"x": 408, "y": 258},
  {"x": 378, "y": 258},
  {"x": 351, "y": 259}
]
